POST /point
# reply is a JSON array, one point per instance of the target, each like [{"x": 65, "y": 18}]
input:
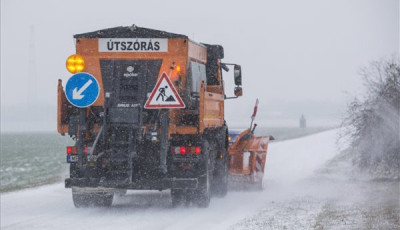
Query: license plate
[
  {"x": 72, "y": 158},
  {"x": 92, "y": 158}
]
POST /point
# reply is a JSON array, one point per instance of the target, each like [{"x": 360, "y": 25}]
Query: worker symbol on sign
[{"x": 164, "y": 95}]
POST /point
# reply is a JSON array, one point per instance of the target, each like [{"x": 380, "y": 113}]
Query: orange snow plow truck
[{"x": 146, "y": 110}]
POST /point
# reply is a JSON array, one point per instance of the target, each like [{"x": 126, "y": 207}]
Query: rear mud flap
[{"x": 184, "y": 183}]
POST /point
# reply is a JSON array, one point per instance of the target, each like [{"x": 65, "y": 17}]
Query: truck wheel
[
  {"x": 178, "y": 198},
  {"x": 96, "y": 199},
  {"x": 103, "y": 199},
  {"x": 202, "y": 194},
  {"x": 220, "y": 179},
  {"x": 80, "y": 200}
]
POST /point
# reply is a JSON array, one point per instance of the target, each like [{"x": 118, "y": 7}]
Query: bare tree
[{"x": 373, "y": 123}]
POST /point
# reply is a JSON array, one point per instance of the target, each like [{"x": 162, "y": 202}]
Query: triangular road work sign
[{"x": 164, "y": 95}]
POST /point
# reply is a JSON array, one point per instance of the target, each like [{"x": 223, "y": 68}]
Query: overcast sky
[{"x": 297, "y": 56}]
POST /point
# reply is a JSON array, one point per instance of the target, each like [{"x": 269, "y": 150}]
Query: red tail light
[
  {"x": 86, "y": 149},
  {"x": 182, "y": 150},
  {"x": 185, "y": 150},
  {"x": 71, "y": 150},
  {"x": 198, "y": 150}
]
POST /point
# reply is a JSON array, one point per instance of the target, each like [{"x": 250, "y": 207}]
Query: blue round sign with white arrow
[{"x": 82, "y": 90}]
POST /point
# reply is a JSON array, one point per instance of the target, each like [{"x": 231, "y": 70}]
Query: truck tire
[
  {"x": 178, "y": 197},
  {"x": 80, "y": 200},
  {"x": 202, "y": 195},
  {"x": 104, "y": 200},
  {"x": 95, "y": 199},
  {"x": 220, "y": 178}
]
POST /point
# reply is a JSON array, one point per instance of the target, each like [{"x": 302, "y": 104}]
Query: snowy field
[{"x": 305, "y": 189}]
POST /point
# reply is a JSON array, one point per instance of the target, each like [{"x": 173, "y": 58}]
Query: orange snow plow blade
[{"x": 248, "y": 154}]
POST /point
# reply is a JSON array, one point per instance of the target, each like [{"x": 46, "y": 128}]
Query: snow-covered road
[{"x": 290, "y": 165}]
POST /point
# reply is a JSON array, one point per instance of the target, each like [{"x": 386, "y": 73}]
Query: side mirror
[
  {"x": 238, "y": 91},
  {"x": 237, "y": 74}
]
